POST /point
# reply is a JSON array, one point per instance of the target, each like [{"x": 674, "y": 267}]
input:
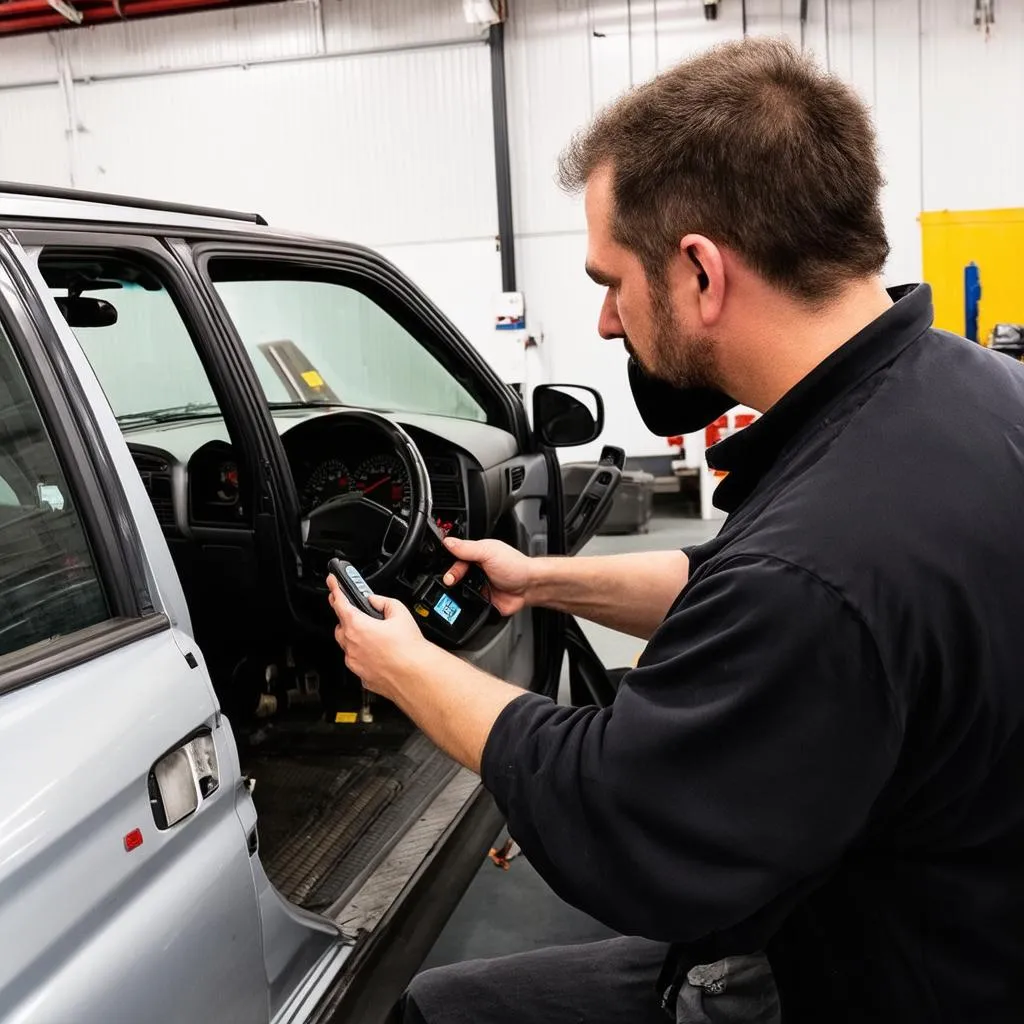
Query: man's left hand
[{"x": 380, "y": 652}]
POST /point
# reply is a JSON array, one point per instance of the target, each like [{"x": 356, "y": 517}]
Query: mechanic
[{"x": 820, "y": 754}]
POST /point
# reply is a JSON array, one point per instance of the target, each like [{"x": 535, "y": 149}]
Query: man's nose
[{"x": 609, "y": 326}]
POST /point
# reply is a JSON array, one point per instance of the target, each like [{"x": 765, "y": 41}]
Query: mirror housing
[
  {"x": 82, "y": 311},
  {"x": 562, "y": 418}
]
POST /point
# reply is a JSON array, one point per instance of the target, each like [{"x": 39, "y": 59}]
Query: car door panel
[
  {"x": 115, "y": 919},
  {"x": 77, "y": 750}
]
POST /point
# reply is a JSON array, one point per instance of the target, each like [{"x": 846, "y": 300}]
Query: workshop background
[
  {"x": 384, "y": 122},
  {"x": 371, "y": 120}
]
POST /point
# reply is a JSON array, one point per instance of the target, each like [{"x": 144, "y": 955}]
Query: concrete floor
[{"x": 511, "y": 911}]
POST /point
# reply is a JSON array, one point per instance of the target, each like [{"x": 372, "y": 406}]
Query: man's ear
[
  {"x": 709, "y": 269},
  {"x": 702, "y": 277}
]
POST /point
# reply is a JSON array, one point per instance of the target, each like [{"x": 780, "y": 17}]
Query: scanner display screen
[{"x": 448, "y": 609}]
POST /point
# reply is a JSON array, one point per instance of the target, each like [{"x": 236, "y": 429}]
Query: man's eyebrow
[{"x": 600, "y": 277}]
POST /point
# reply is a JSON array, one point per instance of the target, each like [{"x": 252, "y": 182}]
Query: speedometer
[
  {"x": 327, "y": 481},
  {"x": 383, "y": 479}
]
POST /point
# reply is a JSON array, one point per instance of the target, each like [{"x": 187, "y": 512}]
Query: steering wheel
[{"x": 378, "y": 541}]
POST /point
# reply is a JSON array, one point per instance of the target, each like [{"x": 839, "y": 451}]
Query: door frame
[{"x": 100, "y": 499}]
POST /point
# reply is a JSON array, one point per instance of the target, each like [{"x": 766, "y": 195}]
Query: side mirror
[
  {"x": 81, "y": 311},
  {"x": 565, "y": 415}
]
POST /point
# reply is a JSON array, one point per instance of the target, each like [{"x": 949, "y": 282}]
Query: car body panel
[{"x": 187, "y": 926}]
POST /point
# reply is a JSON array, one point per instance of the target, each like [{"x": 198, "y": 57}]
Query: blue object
[
  {"x": 972, "y": 299},
  {"x": 447, "y": 609}
]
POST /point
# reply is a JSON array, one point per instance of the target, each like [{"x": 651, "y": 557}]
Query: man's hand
[
  {"x": 453, "y": 702},
  {"x": 508, "y": 571},
  {"x": 379, "y": 652}
]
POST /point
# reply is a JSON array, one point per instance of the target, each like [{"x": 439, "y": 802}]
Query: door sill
[
  {"x": 303, "y": 1001},
  {"x": 361, "y": 913}
]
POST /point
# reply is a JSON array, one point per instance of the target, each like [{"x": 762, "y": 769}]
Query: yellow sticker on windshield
[
  {"x": 346, "y": 717},
  {"x": 313, "y": 379}
]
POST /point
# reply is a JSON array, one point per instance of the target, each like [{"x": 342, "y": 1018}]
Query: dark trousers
[{"x": 608, "y": 982}]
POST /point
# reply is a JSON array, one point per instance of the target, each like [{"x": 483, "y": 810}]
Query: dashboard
[{"x": 206, "y": 489}]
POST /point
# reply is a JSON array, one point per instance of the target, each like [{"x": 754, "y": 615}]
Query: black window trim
[{"x": 99, "y": 499}]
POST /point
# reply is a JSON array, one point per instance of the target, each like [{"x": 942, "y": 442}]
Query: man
[{"x": 820, "y": 754}]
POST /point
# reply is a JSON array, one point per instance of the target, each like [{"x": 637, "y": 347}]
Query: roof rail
[{"x": 106, "y": 199}]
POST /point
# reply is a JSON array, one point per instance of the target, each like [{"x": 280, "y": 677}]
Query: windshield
[
  {"x": 322, "y": 341},
  {"x": 146, "y": 362},
  {"x": 311, "y": 343}
]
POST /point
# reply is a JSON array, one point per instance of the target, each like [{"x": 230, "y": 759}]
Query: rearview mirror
[
  {"x": 565, "y": 415},
  {"x": 81, "y": 311}
]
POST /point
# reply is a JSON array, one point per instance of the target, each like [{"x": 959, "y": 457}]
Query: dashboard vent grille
[
  {"x": 159, "y": 488},
  {"x": 441, "y": 467},
  {"x": 516, "y": 476},
  {"x": 156, "y": 478},
  {"x": 145, "y": 463},
  {"x": 447, "y": 493}
]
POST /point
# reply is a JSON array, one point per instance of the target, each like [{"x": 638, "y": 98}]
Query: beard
[{"x": 683, "y": 360}]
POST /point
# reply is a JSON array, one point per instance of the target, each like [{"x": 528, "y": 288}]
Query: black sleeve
[{"x": 739, "y": 758}]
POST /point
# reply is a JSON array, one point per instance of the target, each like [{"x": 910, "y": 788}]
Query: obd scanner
[{"x": 451, "y": 615}]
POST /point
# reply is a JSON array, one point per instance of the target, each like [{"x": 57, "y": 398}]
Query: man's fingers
[
  {"x": 383, "y": 604},
  {"x": 455, "y": 573}
]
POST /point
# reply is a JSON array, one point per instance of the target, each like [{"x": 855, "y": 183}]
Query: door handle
[
  {"x": 595, "y": 500},
  {"x": 183, "y": 778}
]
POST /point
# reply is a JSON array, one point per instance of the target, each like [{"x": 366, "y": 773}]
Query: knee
[{"x": 429, "y": 997}]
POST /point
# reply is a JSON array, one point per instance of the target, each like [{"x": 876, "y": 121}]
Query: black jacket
[{"x": 821, "y": 751}]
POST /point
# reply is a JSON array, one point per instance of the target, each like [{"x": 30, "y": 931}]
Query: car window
[
  {"x": 322, "y": 340},
  {"x": 141, "y": 351},
  {"x": 49, "y": 586}
]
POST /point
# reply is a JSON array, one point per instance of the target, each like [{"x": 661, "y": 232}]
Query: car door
[
  {"x": 300, "y": 952},
  {"x": 520, "y": 480},
  {"x": 126, "y": 892}
]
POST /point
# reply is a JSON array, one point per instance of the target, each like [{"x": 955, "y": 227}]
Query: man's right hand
[{"x": 507, "y": 570}]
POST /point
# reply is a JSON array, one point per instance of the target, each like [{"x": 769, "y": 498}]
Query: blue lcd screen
[{"x": 447, "y": 609}]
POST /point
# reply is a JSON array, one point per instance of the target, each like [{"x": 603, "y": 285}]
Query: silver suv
[{"x": 201, "y": 816}]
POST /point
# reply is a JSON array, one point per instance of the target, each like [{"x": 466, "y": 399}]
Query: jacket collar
[{"x": 747, "y": 455}]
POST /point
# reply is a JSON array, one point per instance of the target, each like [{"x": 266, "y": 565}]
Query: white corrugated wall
[
  {"x": 370, "y": 120},
  {"x": 948, "y": 104},
  {"x": 361, "y": 120}
]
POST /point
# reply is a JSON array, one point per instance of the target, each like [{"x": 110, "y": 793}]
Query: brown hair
[{"x": 754, "y": 146}]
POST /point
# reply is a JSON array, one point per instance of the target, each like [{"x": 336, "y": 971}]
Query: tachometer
[
  {"x": 382, "y": 478},
  {"x": 327, "y": 481}
]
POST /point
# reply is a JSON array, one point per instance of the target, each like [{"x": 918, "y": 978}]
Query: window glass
[
  {"x": 48, "y": 581},
  {"x": 133, "y": 336},
  {"x": 314, "y": 341}
]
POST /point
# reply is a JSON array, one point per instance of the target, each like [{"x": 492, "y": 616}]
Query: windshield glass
[
  {"x": 312, "y": 342},
  {"x": 146, "y": 362},
  {"x": 323, "y": 341}
]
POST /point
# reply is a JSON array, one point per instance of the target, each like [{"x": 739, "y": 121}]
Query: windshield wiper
[
  {"x": 320, "y": 404},
  {"x": 191, "y": 410}
]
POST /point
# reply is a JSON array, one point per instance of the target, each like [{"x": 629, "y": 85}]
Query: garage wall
[
  {"x": 371, "y": 120},
  {"x": 361, "y": 120},
  {"x": 946, "y": 101}
]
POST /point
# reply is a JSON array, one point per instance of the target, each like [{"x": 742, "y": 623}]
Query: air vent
[
  {"x": 146, "y": 463},
  {"x": 516, "y": 476},
  {"x": 159, "y": 488},
  {"x": 447, "y": 493},
  {"x": 441, "y": 467},
  {"x": 155, "y": 471}
]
